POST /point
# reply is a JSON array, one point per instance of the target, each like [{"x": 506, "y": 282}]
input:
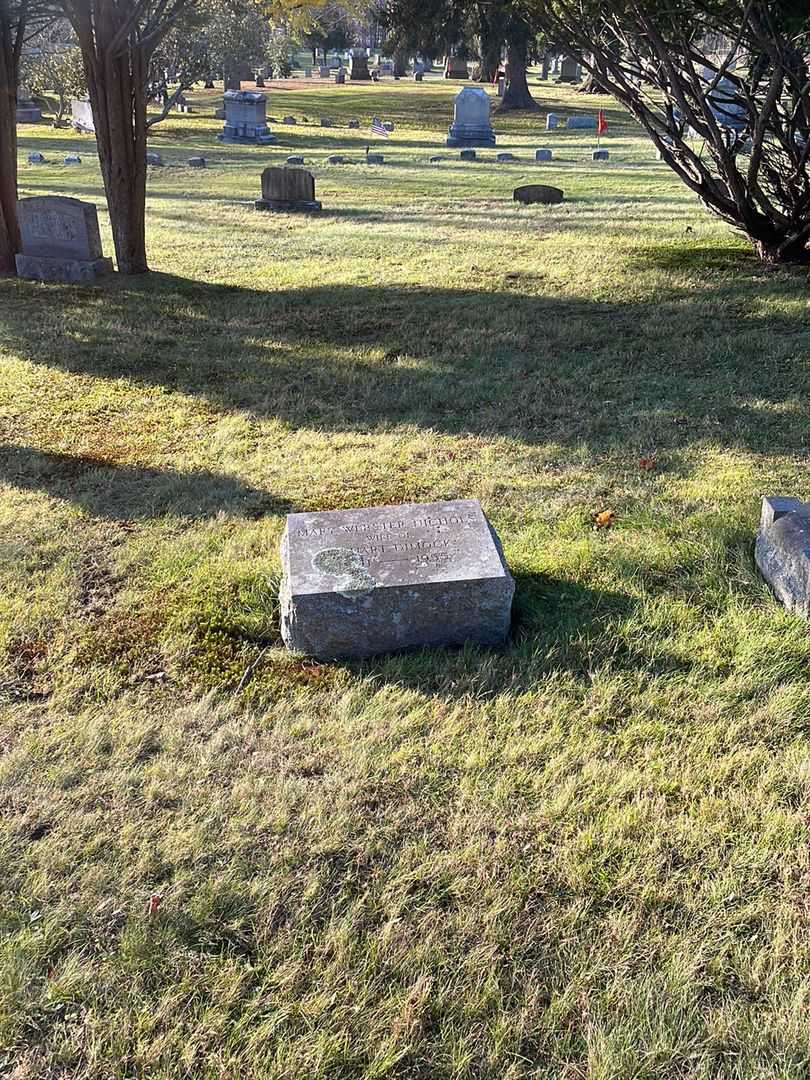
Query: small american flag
[{"x": 377, "y": 127}]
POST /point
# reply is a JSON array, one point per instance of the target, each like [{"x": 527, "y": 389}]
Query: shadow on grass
[
  {"x": 678, "y": 368},
  {"x": 121, "y": 492},
  {"x": 559, "y": 626}
]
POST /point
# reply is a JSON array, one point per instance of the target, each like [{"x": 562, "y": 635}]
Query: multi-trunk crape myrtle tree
[{"x": 723, "y": 90}]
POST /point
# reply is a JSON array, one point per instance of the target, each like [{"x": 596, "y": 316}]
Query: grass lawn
[{"x": 583, "y": 856}]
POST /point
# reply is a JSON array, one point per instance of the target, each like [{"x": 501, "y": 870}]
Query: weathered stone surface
[
  {"x": 569, "y": 70},
  {"x": 581, "y": 123},
  {"x": 60, "y": 240},
  {"x": 375, "y": 159},
  {"x": 552, "y": 122},
  {"x": 471, "y": 124},
  {"x": 335, "y": 159},
  {"x": 361, "y": 582},
  {"x": 505, "y": 157},
  {"x": 197, "y": 162},
  {"x": 601, "y": 155},
  {"x": 542, "y": 153},
  {"x": 467, "y": 155},
  {"x": 153, "y": 158},
  {"x": 245, "y": 118},
  {"x": 326, "y": 122},
  {"x": 82, "y": 115},
  {"x": 456, "y": 68},
  {"x": 353, "y": 125},
  {"x": 783, "y": 551},
  {"x": 287, "y": 189},
  {"x": 358, "y": 67},
  {"x": 538, "y": 193}
]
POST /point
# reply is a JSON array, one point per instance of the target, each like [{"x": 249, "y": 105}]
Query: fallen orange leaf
[
  {"x": 648, "y": 463},
  {"x": 605, "y": 519}
]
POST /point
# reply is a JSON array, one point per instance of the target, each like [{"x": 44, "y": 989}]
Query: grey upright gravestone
[
  {"x": 385, "y": 578},
  {"x": 60, "y": 240},
  {"x": 288, "y": 189},
  {"x": 783, "y": 551}
]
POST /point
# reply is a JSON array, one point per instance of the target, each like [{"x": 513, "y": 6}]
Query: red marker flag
[{"x": 601, "y": 123}]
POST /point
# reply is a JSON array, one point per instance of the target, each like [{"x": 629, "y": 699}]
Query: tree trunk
[
  {"x": 117, "y": 88},
  {"x": 491, "y": 45},
  {"x": 517, "y": 94},
  {"x": 9, "y": 227},
  {"x": 232, "y": 81},
  {"x": 400, "y": 59}
]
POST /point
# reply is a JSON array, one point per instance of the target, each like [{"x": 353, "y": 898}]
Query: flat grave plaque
[{"x": 385, "y": 578}]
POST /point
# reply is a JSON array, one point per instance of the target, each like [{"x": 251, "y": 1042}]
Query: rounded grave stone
[
  {"x": 289, "y": 120},
  {"x": 326, "y": 122},
  {"x": 471, "y": 123},
  {"x": 335, "y": 159},
  {"x": 505, "y": 158},
  {"x": 388, "y": 125},
  {"x": 72, "y": 159},
  {"x": 436, "y": 157},
  {"x": 354, "y": 125},
  {"x": 153, "y": 158},
  {"x": 295, "y": 159},
  {"x": 197, "y": 162},
  {"x": 287, "y": 189},
  {"x": 538, "y": 193},
  {"x": 36, "y": 158},
  {"x": 543, "y": 154}
]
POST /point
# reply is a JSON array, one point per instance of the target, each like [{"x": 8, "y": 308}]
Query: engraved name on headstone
[
  {"x": 381, "y": 579},
  {"x": 60, "y": 240}
]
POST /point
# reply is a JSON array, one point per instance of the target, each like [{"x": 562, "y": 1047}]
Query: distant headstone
[
  {"x": 197, "y": 162},
  {"x": 435, "y": 158},
  {"x": 358, "y": 67},
  {"x": 353, "y": 125},
  {"x": 289, "y": 120},
  {"x": 72, "y": 159},
  {"x": 60, "y": 240},
  {"x": 501, "y": 86},
  {"x": 418, "y": 76},
  {"x": 362, "y": 582},
  {"x": 36, "y": 158},
  {"x": 538, "y": 193},
  {"x": 471, "y": 124},
  {"x": 27, "y": 111},
  {"x": 375, "y": 159},
  {"x": 569, "y": 70},
  {"x": 552, "y": 122},
  {"x": 295, "y": 159},
  {"x": 542, "y": 153},
  {"x": 245, "y": 118},
  {"x": 326, "y": 122},
  {"x": 388, "y": 125},
  {"x": 82, "y": 116},
  {"x": 340, "y": 77},
  {"x": 601, "y": 155},
  {"x": 581, "y": 123},
  {"x": 782, "y": 551},
  {"x": 153, "y": 158},
  {"x": 335, "y": 159},
  {"x": 456, "y": 68},
  {"x": 505, "y": 157},
  {"x": 467, "y": 155},
  {"x": 287, "y": 189}
]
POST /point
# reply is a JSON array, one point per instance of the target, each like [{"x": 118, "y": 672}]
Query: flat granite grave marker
[
  {"x": 60, "y": 240},
  {"x": 538, "y": 193},
  {"x": 385, "y": 578},
  {"x": 471, "y": 124},
  {"x": 542, "y": 153},
  {"x": 287, "y": 189},
  {"x": 783, "y": 551},
  {"x": 581, "y": 123},
  {"x": 600, "y": 155}
]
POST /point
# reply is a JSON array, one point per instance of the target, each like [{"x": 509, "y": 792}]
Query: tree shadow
[
  {"x": 669, "y": 370},
  {"x": 105, "y": 489},
  {"x": 559, "y": 626}
]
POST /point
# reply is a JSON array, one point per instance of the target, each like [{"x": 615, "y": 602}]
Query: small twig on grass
[{"x": 249, "y": 670}]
